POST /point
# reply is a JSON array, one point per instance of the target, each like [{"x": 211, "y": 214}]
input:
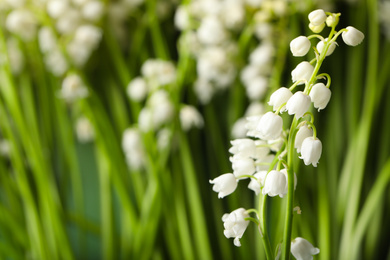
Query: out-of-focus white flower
[
  {"x": 263, "y": 31},
  {"x": 204, "y": 90},
  {"x": 254, "y": 3},
  {"x": 352, "y": 36},
  {"x": 78, "y": 53},
  {"x": 302, "y": 71},
  {"x": 211, "y": 31},
  {"x": 265, "y": 162},
  {"x": 56, "y": 62},
  {"x": 22, "y": 22},
  {"x": 243, "y": 147},
  {"x": 47, "y": 39},
  {"x": 270, "y": 126},
  {"x": 235, "y": 224},
  {"x": 256, "y": 185},
  {"x": 317, "y": 17},
  {"x": 73, "y": 88},
  {"x": 15, "y": 3},
  {"x": 321, "y": 44},
  {"x": 256, "y": 88},
  {"x": 56, "y": 8},
  {"x": 238, "y": 129},
  {"x": 69, "y": 21},
  {"x": 300, "y": 46},
  {"x": 137, "y": 89},
  {"x": 182, "y": 18},
  {"x": 93, "y": 11},
  {"x": 133, "y": 148},
  {"x": 190, "y": 117},
  {"x": 164, "y": 138},
  {"x": 263, "y": 54},
  {"x": 5, "y": 148},
  {"x": 320, "y": 95},
  {"x": 302, "y": 249},
  {"x": 303, "y": 132},
  {"x": 88, "y": 36},
  {"x": 15, "y": 55},
  {"x": 279, "y": 97},
  {"x": 224, "y": 184},
  {"x": 255, "y": 108},
  {"x": 162, "y": 107},
  {"x": 158, "y": 72},
  {"x": 233, "y": 14},
  {"x": 275, "y": 184},
  {"x": 298, "y": 104},
  {"x": 311, "y": 150},
  {"x": 145, "y": 119},
  {"x": 84, "y": 130},
  {"x": 242, "y": 166}
]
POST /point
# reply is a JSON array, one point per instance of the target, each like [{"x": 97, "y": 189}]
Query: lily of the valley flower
[
  {"x": 303, "y": 132},
  {"x": 242, "y": 166},
  {"x": 302, "y": 249},
  {"x": 302, "y": 71},
  {"x": 270, "y": 126},
  {"x": 317, "y": 17},
  {"x": 279, "y": 97},
  {"x": 224, "y": 184},
  {"x": 256, "y": 185},
  {"x": 320, "y": 95},
  {"x": 235, "y": 224},
  {"x": 300, "y": 46},
  {"x": 275, "y": 184},
  {"x": 298, "y": 104},
  {"x": 352, "y": 36},
  {"x": 321, "y": 44},
  {"x": 311, "y": 151}
]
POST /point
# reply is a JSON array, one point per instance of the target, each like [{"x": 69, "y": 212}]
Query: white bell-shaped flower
[
  {"x": 321, "y": 44},
  {"x": 256, "y": 185},
  {"x": 317, "y": 17},
  {"x": 320, "y": 95},
  {"x": 303, "y": 132},
  {"x": 311, "y": 150},
  {"x": 300, "y": 46},
  {"x": 225, "y": 184},
  {"x": 279, "y": 97},
  {"x": 275, "y": 184},
  {"x": 235, "y": 224},
  {"x": 242, "y": 166},
  {"x": 284, "y": 171},
  {"x": 352, "y": 36},
  {"x": 302, "y": 71},
  {"x": 270, "y": 126},
  {"x": 302, "y": 249},
  {"x": 298, "y": 104},
  {"x": 244, "y": 147}
]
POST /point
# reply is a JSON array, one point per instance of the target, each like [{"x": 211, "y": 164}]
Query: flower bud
[
  {"x": 224, "y": 184},
  {"x": 321, "y": 44},
  {"x": 302, "y": 249},
  {"x": 316, "y": 28},
  {"x": 317, "y": 17},
  {"x": 270, "y": 126},
  {"x": 311, "y": 151},
  {"x": 300, "y": 46},
  {"x": 279, "y": 97},
  {"x": 298, "y": 104},
  {"x": 302, "y": 71},
  {"x": 235, "y": 224},
  {"x": 303, "y": 132},
  {"x": 332, "y": 20},
  {"x": 275, "y": 184},
  {"x": 320, "y": 95},
  {"x": 352, "y": 36}
]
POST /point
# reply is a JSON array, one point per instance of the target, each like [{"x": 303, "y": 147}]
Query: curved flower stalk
[{"x": 309, "y": 89}]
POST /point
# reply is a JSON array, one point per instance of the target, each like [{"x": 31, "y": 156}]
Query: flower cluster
[{"x": 268, "y": 158}]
